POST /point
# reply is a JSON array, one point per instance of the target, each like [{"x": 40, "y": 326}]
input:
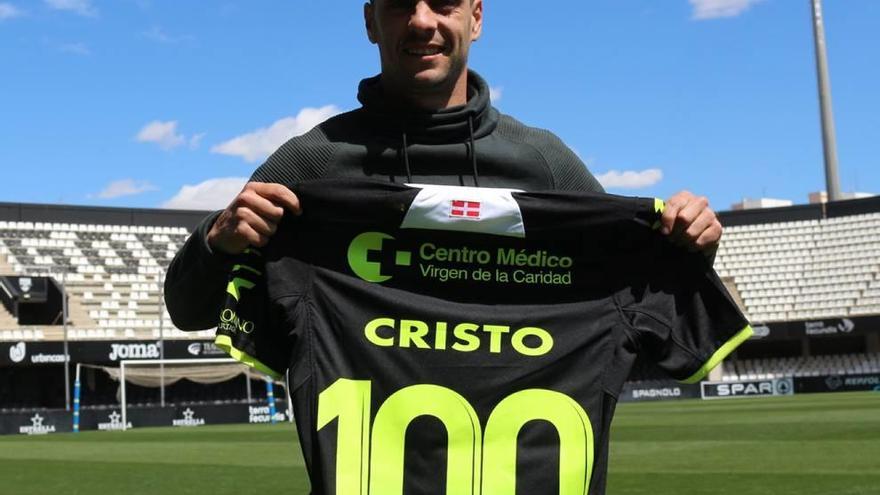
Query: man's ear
[
  {"x": 370, "y": 22},
  {"x": 477, "y": 18}
]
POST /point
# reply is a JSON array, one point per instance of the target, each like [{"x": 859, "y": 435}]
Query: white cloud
[
  {"x": 713, "y": 9},
  {"x": 259, "y": 144},
  {"x": 630, "y": 179},
  {"x": 79, "y": 48},
  {"x": 212, "y": 194},
  {"x": 81, "y": 7},
  {"x": 196, "y": 140},
  {"x": 495, "y": 93},
  {"x": 125, "y": 187},
  {"x": 162, "y": 133},
  {"x": 8, "y": 11}
]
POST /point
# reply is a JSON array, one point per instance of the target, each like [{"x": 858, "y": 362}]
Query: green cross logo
[{"x": 371, "y": 254}]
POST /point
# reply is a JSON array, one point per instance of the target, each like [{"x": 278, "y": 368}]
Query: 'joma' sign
[{"x": 133, "y": 351}]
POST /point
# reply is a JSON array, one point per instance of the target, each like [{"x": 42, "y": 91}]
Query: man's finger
[
  {"x": 279, "y": 195},
  {"x": 253, "y": 237},
  {"x": 258, "y": 223},
  {"x": 692, "y": 210},
  {"x": 261, "y": 206},
  {"x": 709, "y": 239},
  {"x": 705, "y": 220},
  {"x": 670, "y": 213}
]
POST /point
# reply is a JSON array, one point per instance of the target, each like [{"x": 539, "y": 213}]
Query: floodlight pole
[{"x": 829, "y": 141}]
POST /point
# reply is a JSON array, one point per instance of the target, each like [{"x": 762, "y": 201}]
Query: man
[{"x": 425, "y": 119}]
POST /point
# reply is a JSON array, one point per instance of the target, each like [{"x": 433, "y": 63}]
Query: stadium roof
[
  {"x": 801, "y": 212},
  {"x": 32, "y": 212}
]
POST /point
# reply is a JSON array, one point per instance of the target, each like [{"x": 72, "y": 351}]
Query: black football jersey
[{"x": 463, "y": 341}]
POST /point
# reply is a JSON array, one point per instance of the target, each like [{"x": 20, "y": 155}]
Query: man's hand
[
  {"x": 252, "y": 217},
  {"x": 690, "y": 223}
]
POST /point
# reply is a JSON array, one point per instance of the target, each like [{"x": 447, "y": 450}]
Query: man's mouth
[{"x": 423, "y": 51}]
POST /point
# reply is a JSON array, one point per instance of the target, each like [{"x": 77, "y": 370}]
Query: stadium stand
[
  {"x": 112, "y": 273},
  {"x": 801, "y": 268},
  {"x": 768, "y": 368},
  {"x": 805, "y": 270}
]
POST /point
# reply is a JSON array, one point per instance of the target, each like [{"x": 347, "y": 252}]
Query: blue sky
[{"x": 154, "y": 103}]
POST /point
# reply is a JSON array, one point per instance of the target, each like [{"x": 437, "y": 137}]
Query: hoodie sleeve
[{"x": 196, "y": 281}]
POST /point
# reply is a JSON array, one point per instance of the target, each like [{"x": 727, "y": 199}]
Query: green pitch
[{"x": 804, "y": 445}]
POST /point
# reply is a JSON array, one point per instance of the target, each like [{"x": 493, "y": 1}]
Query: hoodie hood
[{"x": 431, "y": 127}]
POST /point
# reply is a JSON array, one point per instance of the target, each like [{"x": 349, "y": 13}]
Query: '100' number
[{"x": 378, "y": 455}]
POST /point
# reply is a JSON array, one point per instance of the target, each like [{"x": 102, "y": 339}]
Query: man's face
[{"x": 423, "y": 44}]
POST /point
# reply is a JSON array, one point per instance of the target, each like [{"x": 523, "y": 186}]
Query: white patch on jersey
[{"x": 466, "y": 209}]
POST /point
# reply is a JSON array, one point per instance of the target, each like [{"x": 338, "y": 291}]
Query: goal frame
[{"x": 146, "y": 362}]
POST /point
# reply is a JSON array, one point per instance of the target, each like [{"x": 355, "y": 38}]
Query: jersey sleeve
[
  {"x": 245, "y": 329},
  {"x": 682, "y": 316}
]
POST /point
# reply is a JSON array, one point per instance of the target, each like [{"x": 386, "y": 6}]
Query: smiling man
[{"x": 426, "y": 118}]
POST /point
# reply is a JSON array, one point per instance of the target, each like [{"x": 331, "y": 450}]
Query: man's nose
[{"x": 423, "y": 17}]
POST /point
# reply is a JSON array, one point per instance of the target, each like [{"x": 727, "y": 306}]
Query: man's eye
[
  {"x": 445, "y": 4},
  {"x": 436, "y": 5},
  {"x": 400, "y": 4}
]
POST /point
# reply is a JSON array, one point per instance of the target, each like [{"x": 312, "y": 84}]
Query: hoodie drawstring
[
  {"x": 472, "y": 152},
  {"x": 406, "y": 159}
]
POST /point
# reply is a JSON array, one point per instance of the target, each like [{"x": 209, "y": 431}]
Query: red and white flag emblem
[{"x": 465, "y": 209}]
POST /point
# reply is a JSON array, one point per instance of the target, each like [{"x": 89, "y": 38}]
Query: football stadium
[
  {"x": 424, "y": 294},
  {"x": 796, "y": 408}
]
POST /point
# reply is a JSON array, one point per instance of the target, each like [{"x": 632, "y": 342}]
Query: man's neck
[{"x": 430, "y": 99}]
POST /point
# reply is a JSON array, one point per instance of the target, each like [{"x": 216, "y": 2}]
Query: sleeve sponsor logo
[{"x": 231, "y": 323}]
